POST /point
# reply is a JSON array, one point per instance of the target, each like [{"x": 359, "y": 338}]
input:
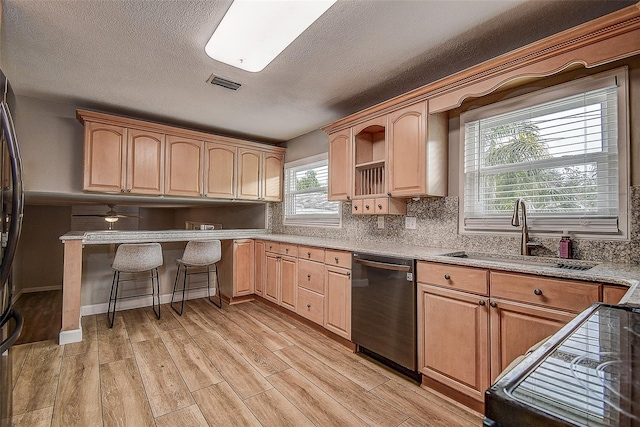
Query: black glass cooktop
[{"x": 588, "y": 377}]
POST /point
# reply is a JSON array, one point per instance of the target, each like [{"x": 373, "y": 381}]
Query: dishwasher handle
[{"x": 383, "y": 265}]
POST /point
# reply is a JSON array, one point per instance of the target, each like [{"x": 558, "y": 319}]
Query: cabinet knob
[
  {"x": 309, "y": 254},
  {"x": 348, "y": 197},
  {"x": 286, "y": 250},
  {"x": 309, "y": 306},
  {"x": 482, "y": 302},
  {"x": 389, "y": 193},
  {"x": 447, "y": 277},
  {"x": 379, "y": 206},
  {"x": 337, "y": 259},
  {"x": 122, "y": 190},
  {"x": 348, "y": 274},
  {"x": 493, "y": 304},
  {"x": 308, "y": 276},
  {"x": 355, "y": 208},
  {"x": 366, "y": 207},
  {"x": 537, "y": 291}
]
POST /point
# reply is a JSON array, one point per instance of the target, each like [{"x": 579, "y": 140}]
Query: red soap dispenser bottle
[{"x": 566, "y": 246}]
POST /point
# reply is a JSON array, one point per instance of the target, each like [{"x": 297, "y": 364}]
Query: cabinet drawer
[
  {"x": 339, "y": 258},
  {"x": 356, "y": 207},
  {"x": 272, "y": 246},
  {"x": 311, "y": 306},
  {"x": 570, "y": 295},
  {"x": 313, "y": 254},
  {"x": 381, "y": 206},
  {"x": 288, "y": 249},
  {"x": 368, "y": 206},
  {"x": 311, "y": 275},
  {"x": 468, "y": 279}
]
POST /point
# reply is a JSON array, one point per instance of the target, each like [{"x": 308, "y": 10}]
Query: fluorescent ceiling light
[{"x": 254, "y": 32}]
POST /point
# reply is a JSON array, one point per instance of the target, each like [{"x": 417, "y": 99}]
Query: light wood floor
[
  {"x": 42, "y": 312},
  {"x": 246, "y": 364}
]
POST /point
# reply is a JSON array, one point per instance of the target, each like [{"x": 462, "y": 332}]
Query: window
[
  {"x": 562, "y": 150},
  {"x": 305, "y": 194}
]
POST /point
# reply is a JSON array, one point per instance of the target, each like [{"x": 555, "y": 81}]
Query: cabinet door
[
  {"x": 243, "y": 267},
  {"x": 337, "y": 306},
  {"x": 288, "y": 282},
  {"x": 272, "y": 171},
  {"x": 249, "y": 162},
  {"x": 260, "y": 266},
  {"x": 340, "y": 165},
  {"x": 516, "y": 327},
  {"x": 407, "y": 151},
  {"x": 613, "y": 294},
  {"x": 104, "y": 157},
  {"x": 145, "y": 162},
  {"x": 453, "y": 339},
  {"x": 220, "y": 171},
  {"x": 272, "y": 270},
  {"x": 183, "y": 172}
]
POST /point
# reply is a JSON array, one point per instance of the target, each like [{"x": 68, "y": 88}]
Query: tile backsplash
[{"x": 437, "y": 226}]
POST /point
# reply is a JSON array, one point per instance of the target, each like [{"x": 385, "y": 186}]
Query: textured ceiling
[{"x": 146, "y": 58}]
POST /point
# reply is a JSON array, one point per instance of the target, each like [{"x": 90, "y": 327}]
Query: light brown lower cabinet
[
  {"x": 260, "y": 260},
  {"x": 280, "y": 284},
  {"x": 237, "y": 267},
  {"x": 337, "y": 301}
]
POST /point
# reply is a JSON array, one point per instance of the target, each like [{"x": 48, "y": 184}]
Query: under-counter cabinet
[
  {"x": 183, "y": 170},
  {"x": 337, "y": 297},
  {"x": 260, "y": 260},
  {"x": 613, "y": 294},
  {"x": 237, "y": 268},
  {"x": 281, "y": 274},
  {"x": 311, "y": 275}
]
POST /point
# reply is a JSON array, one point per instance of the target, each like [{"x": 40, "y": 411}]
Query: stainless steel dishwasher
[{"x": 383, "y": 309}]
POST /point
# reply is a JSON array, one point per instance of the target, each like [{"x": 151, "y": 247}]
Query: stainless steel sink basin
[{"x": 525, "y": 260}]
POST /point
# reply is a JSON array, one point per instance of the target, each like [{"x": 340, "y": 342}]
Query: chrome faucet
[{"x": 525, "y": 244}]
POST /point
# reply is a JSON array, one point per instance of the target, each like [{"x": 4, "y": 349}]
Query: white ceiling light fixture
[{"x": 253, "y": 32}]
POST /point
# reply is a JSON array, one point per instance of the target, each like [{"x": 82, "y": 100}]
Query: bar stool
[
  {"x": 198, "y": 254},
  {"x": 133, "y": 259}
]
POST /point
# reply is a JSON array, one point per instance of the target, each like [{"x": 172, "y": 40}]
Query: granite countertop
[{"x": 621, "y": 274}]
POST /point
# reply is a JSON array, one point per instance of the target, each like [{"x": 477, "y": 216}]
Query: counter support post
[{"x": 72, "y": 277}]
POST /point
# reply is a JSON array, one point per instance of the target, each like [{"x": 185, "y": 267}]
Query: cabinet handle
[
  {"x": 493, "y": 304},
  {"x": 537, "y": 291},
  {"x": 482, "y": 302},
  {"x": 309, "y": 254},
  {"x": 447, "y": 277},
  {"x": 308, "y": 276}
]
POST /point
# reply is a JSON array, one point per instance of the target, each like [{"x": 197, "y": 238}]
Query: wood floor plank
[
  {"x": 193, "y": 323},
  {"x": 237, "y": 371},
  {"x": 165, "y": 387},
  {"x": 260, "y": 357},
  {"x": 113, "y": 343},
  {"x": 318, "y": 406},
  {"x": 412, "y": 422},
  {"x": 266, "y": 315},
  {"x": 38, "y": 382},
  {"x": 196, "y": 369},
  {"x": 186, "y": 417},
  {"x": 272, "y": 408},
  {"x": 78, "y": 399},
  {"x": 139, "y": 326},
  {"x": 222, "y": 407},
  {"x": 258, "y": 330},
  {"x": 167, "y": 319},
  {"x": 317, "y": 346},
  {"x": 124, "y": 400},
  {"x": 89, "y": 341},
  {"x": 39, "y": 418},
  {"x": 365, "y": 405},
  {"x": 19, "y": 354},
  {"x": 41, "y": 321}
]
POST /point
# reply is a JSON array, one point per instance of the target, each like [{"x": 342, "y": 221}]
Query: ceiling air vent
[{"x": 215, "y": 80}]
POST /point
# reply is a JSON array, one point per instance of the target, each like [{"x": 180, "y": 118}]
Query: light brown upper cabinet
[
  {"x": 145, "y": 162},
  {"x": 417, "y": 152},
  {"x": 249, "y": 162},
  {"x": 183, "y": 170},
  {"x": 259, "y": 175},
  {"x": 340, "y": 165},
  {"x": 104, "y": 157},
  {"x": 370, "y": 155},
  {"x": 220, "y": 170}
]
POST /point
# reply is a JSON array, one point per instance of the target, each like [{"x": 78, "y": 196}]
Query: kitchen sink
[{"x": 525, "y": 260}]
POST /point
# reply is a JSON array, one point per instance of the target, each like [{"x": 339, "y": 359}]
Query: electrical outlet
[
  {"x": 380, "y": 221},
  {"x": 410, "y": 222}
]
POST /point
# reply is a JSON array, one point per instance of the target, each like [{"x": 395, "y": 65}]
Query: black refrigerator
[{"x": 11, "y": 206}]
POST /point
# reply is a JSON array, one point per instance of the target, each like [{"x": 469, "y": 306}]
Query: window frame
[
  {"x": 309, "y": 220},
  {"x": 555, "y": 225}
]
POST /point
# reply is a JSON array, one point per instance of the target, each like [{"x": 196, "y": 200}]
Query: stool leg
[
  {"x": 113, "y": 296},
  {"x": 219, "y": 304},
  {"x": 175, "y": 286},
  {"x": 154, "y": 274},
  {"x": 184, "y": 288}
]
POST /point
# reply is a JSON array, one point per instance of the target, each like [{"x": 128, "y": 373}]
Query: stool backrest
[
  {"x": 202, "y": 252},
  {"x": 133, "y": 257}
]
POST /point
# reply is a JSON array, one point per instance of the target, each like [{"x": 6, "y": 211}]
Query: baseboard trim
[
  {"x": 68, "y": 337},
  {"x": 38, "y": 289},
  {"x": 131, "y": 303}
]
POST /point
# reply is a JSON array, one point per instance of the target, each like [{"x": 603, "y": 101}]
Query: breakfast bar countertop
[{"x": 621, "y": 274}]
